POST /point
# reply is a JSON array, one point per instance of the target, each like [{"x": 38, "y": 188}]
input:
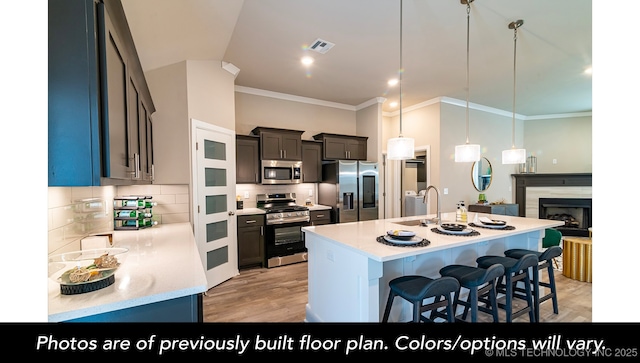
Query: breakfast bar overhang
[{"x": 349, "y": 270}]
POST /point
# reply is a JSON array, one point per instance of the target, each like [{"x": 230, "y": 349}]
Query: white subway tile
[
  {"x": 174, "y": 189},
  {"x": 175, "y": 218}
]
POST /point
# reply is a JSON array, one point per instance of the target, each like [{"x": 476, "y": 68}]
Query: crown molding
[{"x": 447, "y": 100}]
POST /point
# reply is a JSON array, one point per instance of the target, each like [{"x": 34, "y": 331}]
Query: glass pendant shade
[
  {"x": 400, "y": 148},
  {"x": 467, "y": 153},
  {"x": 514, "y": 156}
]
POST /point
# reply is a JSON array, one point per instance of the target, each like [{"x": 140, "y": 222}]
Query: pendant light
[
  {"x": 400, "y": 148},
  {"x": 513, "y": 155},
  {"x": 467, "y": 152}
]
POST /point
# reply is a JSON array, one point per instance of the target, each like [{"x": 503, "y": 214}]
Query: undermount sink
[
  {"x": 419, "y": 222},
  {"x": 413, "y": 222}
]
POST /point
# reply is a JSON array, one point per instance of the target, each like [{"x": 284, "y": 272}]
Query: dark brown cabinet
[
  {"x": 279, "y": 144},
  {"x": 311, "y": 161},
  {"x": 247, "y": 159},
  {"x": 319, "y": 217},
  {"x": 250, "y": 240},
  {"x": 342, "y": 147}
]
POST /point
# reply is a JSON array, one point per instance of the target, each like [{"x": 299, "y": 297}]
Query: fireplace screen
[{"x": 574, "y": 212}]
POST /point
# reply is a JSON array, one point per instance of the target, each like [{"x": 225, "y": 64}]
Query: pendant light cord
[
  {"x": 401, "y": 70},
  {"x": 467, "y": 116},
  {"x": 513, "y": 120}
]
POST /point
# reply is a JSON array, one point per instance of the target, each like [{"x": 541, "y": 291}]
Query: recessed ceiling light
[
  {"x": 392, "y": 82},
  {"x": 588, "y": 70},
  {"x": 306, "y": 60},
  {"x": 393, "y": 104}
]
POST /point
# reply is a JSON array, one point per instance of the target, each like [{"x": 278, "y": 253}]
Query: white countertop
[
  {"x": 318, "y": 207},
  {"x": 361, "y": 236},
  {"x": 162, "y": 263},
  {"x": 249, "y": 211}
]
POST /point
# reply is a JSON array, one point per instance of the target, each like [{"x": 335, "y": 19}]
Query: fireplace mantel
[{"x": 546, "y": 180}]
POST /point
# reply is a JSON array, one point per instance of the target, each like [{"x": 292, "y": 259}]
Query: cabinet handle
[
  {"x": 136, "y": 158},
  {"x": 319, "y": 215},
  {"x": 284, "y": 153},
  {"x": 250, "y": 221},
  {"x": 153, "y": 172},
  {"x": 256, "y": 177},
  {"x": 262, "y": 230}
]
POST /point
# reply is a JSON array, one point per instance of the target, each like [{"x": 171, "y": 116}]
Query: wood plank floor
[{"x": 279, "y": 295}]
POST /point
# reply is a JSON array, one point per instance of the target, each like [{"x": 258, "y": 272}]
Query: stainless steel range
[{"x": 284, "y": 240}]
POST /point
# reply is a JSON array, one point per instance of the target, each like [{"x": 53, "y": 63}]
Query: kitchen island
[
  {"x": 349, "y": 270},
  {"x": 161, "y": 279}
]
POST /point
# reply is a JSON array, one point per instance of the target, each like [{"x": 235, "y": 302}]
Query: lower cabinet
[
  {"x": 319, "y": 217},
  {"x": 250, "y": 240},
  {"x": 502, "y": 209}
]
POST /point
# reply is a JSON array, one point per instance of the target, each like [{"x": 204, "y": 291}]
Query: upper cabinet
[
  {"x": 343, "y": 147},
  {"x": 279, "y": 144},
  {"x": 311, "y": 161},
  {"x": 247, "y": 159},
  {"x": 100, "y": 106}
]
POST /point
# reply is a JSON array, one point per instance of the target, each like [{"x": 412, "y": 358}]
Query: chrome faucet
[{"x": 436, "y": 220}]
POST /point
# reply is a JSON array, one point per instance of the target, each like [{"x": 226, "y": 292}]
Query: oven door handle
[{"x": 290, "y": 220}]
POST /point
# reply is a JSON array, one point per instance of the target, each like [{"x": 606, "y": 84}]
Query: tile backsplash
[
  {"x": 76, "y": 212},
  {"x": 303, "y": 192}
]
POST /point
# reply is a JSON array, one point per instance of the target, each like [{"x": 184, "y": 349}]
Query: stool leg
[
  {"x": 416, "y": 311},
  {"x": 387, "y": 309},
  {"x": 509, "y": 297},
  {"x": 536, "y": 292},
  {"x": 493, "y": 298},
  {"x": 552, "y": 283},
  {"x": 530, "y": 298},
  {"x": 450, "y": 312},
  {"x": 473, "y": 301}
]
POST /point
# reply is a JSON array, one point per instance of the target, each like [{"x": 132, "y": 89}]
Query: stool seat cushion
[
  {"x": 511, "y": 265},
  {"x": 472, "y": 276},
  {"x": 548, "y": 254},
  {"x": 417, "y": 288}
]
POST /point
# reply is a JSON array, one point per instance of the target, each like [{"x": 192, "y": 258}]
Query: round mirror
[{"x": 481, "y": 174}]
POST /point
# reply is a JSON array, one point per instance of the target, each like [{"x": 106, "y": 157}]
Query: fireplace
[{"x": 574, "y": 212}]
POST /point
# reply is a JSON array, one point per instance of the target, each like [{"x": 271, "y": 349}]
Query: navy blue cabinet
[{"x": 100, "y": 106}]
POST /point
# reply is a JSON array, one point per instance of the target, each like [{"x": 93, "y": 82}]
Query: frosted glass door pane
[
  {"x": 214, "y": 150},
  {"x": 215, "y": 177},
  {"x": 216, "y": 230},
  {"x": 216, "y": 203}
]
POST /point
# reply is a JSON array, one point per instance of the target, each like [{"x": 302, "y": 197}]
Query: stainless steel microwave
[{"x": 281, "y": 172}]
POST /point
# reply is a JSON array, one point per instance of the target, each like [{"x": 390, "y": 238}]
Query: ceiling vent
[{"x": 321, "y": 46}]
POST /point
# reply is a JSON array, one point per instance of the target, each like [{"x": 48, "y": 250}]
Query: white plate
[
  {"x": 491, "y": 222},
  {"x": 401, "y": 233},
  {"x": 412, "y": 241},
  {"x": 494, "y": 226},
  {"x": 464, "y": 231}
]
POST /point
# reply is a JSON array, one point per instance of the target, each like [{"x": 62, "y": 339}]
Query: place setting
[
  {"x": 485, "y": 222},
  {"x": 402, "y": 238},
  {"x": 455, "y": 229}
]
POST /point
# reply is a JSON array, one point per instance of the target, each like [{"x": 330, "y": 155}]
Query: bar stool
[
  {"x": 545, "y": 260},
  {"x": 416, "y": 289},
  {"x": 514, "y": 270},
  {"x": 481, "y": 283}
]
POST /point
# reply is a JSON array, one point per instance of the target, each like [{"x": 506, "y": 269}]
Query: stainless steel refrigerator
[{"x": 351, "y": 189}]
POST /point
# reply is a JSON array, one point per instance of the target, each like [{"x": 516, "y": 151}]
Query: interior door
[{"x": 213, "y": 152}]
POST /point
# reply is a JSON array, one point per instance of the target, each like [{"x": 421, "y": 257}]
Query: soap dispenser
[
  {"x": 458, "y": 213},
  {"x": 463, "y": 212}
]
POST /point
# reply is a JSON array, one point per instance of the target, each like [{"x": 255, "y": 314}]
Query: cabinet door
[
  {"x": 271, "y": 144},
  {"x": 135, "y": 134},
  {"x": 143, "y": 116},
  {"x": 291, "y": 146},
  {"x": 356, "y": 149},
  {"x": 250, "y": 240},
  {"x": 114, "y": 90},
  {"x": 335, "y": 148},
  {"x": 311, "y": 162},
  {"x": 247, "y": 160}
]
